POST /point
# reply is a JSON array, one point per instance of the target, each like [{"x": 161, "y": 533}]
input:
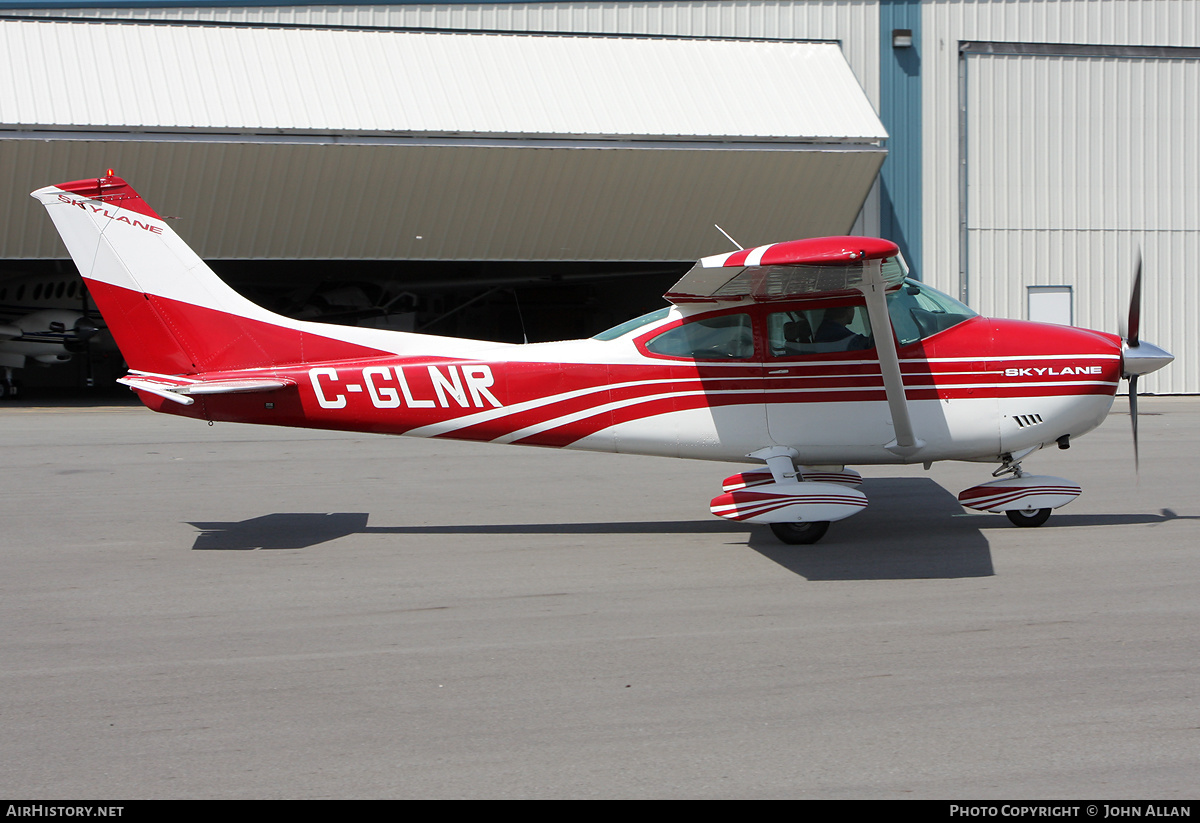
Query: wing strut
[{"x": 874, "y": 289}]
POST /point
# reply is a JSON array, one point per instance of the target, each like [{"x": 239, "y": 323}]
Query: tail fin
[{"x": 168, "y": 311}]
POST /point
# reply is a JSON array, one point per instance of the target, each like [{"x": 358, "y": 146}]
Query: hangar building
[{"x": 560, "y": 162}]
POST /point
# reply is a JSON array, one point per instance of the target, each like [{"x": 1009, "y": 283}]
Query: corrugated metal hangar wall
[
  {"x": 1056, "y": 144},
  {"x": 1077, "y": 160},
  {"x": 309, "y": 143},
  {"x": 1041, "y": 144}
]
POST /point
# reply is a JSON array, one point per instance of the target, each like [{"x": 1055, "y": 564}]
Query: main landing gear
[
  {"x": 1028, "y": 518},
  {"x": 800, "y": 534},
  {"x": 798, "y": 503}
]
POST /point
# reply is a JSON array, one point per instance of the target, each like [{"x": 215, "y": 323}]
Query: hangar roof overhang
[{"x": 309, "y": 143}]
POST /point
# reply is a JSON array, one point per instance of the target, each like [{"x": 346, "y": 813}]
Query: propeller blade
[
  {"x": 1133, "y": 328},
  {"x": 1133, "y": 418}
]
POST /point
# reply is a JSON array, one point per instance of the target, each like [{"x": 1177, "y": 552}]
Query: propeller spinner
[{"x": 1138, "y": 357}]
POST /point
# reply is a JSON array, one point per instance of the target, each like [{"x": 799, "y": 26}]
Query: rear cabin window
[
  {"x": 635, "y": 323},
  {"x": 724, "y": 337}
]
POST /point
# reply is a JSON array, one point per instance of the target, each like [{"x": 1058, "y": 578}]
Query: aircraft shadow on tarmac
[{"x": 914, "y": 529}]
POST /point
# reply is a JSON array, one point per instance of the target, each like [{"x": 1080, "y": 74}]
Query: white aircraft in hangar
[
  {"x": 801, "y": 357},
  {"x": 38, "y": 322}
]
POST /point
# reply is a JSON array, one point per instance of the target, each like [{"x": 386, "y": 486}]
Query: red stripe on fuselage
[
  {"x": 568, "y": 433},
  {"x": 603, "y": 400},
  {"x": 597, "y": 396},
  {"x": 604, "y": 385}
]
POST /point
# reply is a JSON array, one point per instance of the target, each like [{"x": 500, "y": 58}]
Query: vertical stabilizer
[{"x": 168, "y": 311}]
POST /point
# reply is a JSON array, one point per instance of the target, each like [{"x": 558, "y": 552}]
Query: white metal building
[{"x": 1034, "y": 145}]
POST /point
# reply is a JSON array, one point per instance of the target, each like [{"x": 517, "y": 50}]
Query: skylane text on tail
[{"x": 801, "y": 357}]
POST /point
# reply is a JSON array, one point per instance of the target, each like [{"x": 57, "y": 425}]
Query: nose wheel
[{"x": 1025, "y": 499}]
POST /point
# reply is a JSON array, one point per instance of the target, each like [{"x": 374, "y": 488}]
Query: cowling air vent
[{"x": 1024, "y": 421}]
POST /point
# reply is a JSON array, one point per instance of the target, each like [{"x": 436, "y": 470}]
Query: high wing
[{"x": 815, "y": 267}]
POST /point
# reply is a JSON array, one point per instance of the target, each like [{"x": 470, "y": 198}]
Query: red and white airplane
[{"x": 802, "y": 357}]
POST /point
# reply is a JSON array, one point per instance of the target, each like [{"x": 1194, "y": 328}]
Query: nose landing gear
[{"x": 1026, "y": 499}]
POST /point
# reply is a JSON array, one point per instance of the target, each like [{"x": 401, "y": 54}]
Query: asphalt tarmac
[{"x": 244, "y": 612}]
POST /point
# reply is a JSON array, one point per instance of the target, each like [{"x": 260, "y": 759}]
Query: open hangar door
[
  {"x": 508, "y": 302},
  {"x": 508, "y": 186},
  {"x": 1077, "y": 158}
]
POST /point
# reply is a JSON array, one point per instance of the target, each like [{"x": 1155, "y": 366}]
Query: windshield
[{"x": 918, "y": 311}]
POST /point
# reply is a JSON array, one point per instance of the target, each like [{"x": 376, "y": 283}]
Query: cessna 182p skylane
[{"x": 804, "y": 356}]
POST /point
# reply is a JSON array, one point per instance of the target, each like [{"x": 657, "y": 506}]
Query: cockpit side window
[
  {"x": 802, "y": 332},
  {"x": 721, "y": 337}
]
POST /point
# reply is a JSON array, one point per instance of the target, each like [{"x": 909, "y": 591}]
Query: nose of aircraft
[{"x": 1143, "y": 358}]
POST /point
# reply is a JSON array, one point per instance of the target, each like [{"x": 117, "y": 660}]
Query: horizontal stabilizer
[{"x": 182, "y": 390}]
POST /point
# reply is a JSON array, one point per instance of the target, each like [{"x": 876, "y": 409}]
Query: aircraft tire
[
  {"x": 1028, "y": 519},
  {"x": 800, "y": 534}
]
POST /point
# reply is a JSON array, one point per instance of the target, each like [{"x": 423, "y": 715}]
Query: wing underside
[{"x": 817, "y": 267}]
